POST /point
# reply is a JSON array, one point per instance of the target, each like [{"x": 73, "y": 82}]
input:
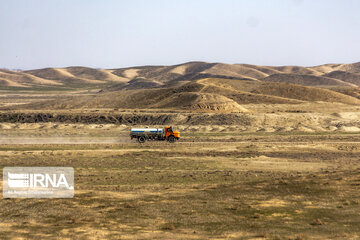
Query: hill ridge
[{"x": 195, "y": 86}]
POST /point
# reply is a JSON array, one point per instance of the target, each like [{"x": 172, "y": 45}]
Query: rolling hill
[
  {"x": 348, "y": 77},
  {"x": 193, "y": 86},
  {"x": 307, "y": 80},
  {"x": 329, "y": 75},
  {"x": 205, "y": 95}
]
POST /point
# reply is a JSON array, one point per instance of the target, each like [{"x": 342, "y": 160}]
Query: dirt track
[
  {"x": 115, "y": 140},
  {"x": 119, "y": 140}
]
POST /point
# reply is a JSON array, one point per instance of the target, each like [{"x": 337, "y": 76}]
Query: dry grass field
[{"x": 218, "y": 185}]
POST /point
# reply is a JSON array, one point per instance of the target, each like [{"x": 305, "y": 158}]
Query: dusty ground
[{"x": 212, "y": 184}]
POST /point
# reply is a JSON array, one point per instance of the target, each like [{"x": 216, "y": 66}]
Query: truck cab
[{"x": 171, "y": 135}]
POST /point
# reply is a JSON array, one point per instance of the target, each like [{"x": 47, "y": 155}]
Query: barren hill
[
  {"x": 307, "y": 80},
  {"x": 352, "y": 68},
  {"x": 23, "y": 79},
  {"x": 144, "y": 77},
  {"x": 205, "y": 95},
  {"x": 297, "y": 70},
  {"x": 193, "y": 86},
  {"x": 61, "y": 75},
  {"x": 349, "y": 77},
  {"x": 94, "y": 74}
]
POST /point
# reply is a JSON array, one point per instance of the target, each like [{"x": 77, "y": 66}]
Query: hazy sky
[{"x": 119, "y": 33}]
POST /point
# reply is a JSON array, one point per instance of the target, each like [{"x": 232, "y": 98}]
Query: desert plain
[{"x": 265, "y": 152}]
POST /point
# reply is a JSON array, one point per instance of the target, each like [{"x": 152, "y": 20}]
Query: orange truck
[{"x": 158, "y": 134}]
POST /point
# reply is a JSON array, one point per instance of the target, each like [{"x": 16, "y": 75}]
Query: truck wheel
[
  {"x": 171, "y": 139},
  {"x": 141, "y": 139}
]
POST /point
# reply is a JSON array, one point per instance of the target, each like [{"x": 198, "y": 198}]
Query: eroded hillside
[{"x": 193, "y": 86}]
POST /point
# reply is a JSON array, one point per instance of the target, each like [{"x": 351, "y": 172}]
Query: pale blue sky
[{"x": 119, "y": 33}]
